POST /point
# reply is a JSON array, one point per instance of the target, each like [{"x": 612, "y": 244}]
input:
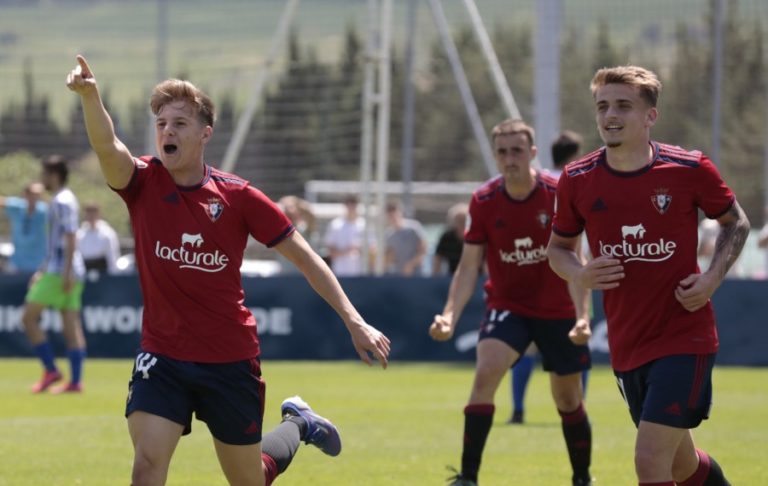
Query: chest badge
[
  {"x": 543, "y": 218},
  {"x": 214, "y": 208},
  {"x": 661, "y": 200}
]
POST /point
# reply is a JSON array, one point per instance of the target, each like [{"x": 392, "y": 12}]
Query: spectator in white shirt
[
  {"x": 98, "y": 242},
  {"x": 344, "y": 240}
]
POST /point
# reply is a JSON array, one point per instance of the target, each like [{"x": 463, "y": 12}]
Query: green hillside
[{"x": 221, "y": 45}]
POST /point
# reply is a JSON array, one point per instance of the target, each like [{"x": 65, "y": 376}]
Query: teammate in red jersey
[
  {"x": 638, "y": 201},
  {"x": 199, "y": 346},
  {"x": 510, "y": 219}
]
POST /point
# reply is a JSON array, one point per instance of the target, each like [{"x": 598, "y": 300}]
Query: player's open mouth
[
  {"x": 613, "y": 128},
  {"x": 169, "y": 148}
]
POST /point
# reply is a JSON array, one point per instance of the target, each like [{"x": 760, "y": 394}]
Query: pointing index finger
[{"x": 85, "y": 70}]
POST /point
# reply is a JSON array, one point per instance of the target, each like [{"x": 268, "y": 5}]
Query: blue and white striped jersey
[{"x": 62, "y": 219}]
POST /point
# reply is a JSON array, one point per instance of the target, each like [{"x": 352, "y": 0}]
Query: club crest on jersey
[
  {"x": 543, "y": 218},
  {"x": 214, "y": 208},
  {"x": 661, "y": 200}
]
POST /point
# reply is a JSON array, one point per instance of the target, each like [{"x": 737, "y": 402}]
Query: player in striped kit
[{"x": 59, "y": 284}]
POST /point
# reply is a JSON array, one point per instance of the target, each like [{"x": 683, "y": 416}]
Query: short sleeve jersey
[
  {"x": 516, "y": 233},
  {"x": 189, "y": 248},
  {"x": 63, "y": 220},
  {"x": 648, "y": 219}
]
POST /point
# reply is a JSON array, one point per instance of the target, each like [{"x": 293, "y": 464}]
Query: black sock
[
  {"x": 478, "y": 419},
  {"x": 715, "y": 476},
  {"x": 578, "y": 438},
  {"x": 283, "y": 441}
]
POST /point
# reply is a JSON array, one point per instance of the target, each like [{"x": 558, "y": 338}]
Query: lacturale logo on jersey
[
  {"x": 187, "y": 255},
  {"x": 524, "y": 253},
  {"x": 632, "y": 248}
]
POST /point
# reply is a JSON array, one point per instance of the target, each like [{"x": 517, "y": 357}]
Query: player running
[
  {"x": 199, "y": 345},
  {"x": 510, "y": 218},
  {"x": 638, "y": 201}
]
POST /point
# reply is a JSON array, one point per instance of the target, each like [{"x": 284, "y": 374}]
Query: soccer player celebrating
[
  {"x": 199, "y": 345},
  {"x": 510, "y": 219},
  {"x": 638, "y": 201}
]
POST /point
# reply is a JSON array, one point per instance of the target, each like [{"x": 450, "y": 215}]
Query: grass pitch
[{"x": 401, "y": 426}]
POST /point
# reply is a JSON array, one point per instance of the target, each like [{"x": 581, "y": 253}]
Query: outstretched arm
[
  {"x": 461, "y": 290},
  {"x": 365, "y": 338},
  {"x": 115, "y": 159},
  {"x": 695, "y": 290}
]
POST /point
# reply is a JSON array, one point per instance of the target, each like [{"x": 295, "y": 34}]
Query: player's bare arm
[
  {"x": 115, "y": 159},
  {"x": 461, "y": 290},
  {"x": 365, "y": 338},
  {"x": 67, "y": 272},
  {"x": 601, "y": 273},
  {"x": 694, "y": 291}
]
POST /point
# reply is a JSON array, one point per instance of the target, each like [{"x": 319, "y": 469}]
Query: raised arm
[
  {"x": 365, "y": 338},
  {"x": 115, "y": 159},
  {"x": 461, "y": 290}
]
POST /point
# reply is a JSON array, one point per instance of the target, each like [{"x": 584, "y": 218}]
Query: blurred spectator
[
  {"x": 28, "y": 216},
  {"x": 300, "y": 213},
  {"x": 98, "y": 242},
  {"x": 762, "y": 242},
  {"x": 565, "y": 148},
  {"x": 451, "y": 242},
  {"x": 344, "y": 239},
  {"x": 406, "y": 244}
]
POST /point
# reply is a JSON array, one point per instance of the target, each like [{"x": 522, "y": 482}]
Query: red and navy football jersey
[
  {"x": 189, "y": 248},
  {"x": 648, "y": 219},
  {"x": 516, "y": 233}
]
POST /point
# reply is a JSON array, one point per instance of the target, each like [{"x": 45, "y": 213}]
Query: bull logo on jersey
[
  {"x": 524, "y": 253},
  {"x": 188, "y": 255},
  {"x": 661, "y": 200},
  {"x": 214, "y": 208},
  {"x": 633, "y": 248},
  {"x": 543, "y": 219},
  {"x": 195, "y": 241}
]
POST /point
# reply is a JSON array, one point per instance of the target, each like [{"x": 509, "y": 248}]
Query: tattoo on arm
[{"x": 730, "y": 240}]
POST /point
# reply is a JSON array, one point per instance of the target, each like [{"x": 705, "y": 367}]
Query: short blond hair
[
  {"x": 172, "y": 90},
  {"x": 643, "y": 79},
  {"x": 513, "y": 126}
]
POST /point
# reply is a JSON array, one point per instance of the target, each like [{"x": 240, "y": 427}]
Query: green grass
[{"x": 401, "y": 426}]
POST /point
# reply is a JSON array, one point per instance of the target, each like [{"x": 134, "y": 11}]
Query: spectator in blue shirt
[{"x": 28, "y": 217}]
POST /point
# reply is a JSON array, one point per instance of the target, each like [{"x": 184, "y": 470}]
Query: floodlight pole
[
  {"x": 382, "y": 137},
  {"x": 161, "y": 63},
  {"x": 244, "y": 122},
  {"x": 486, "y": 47},
  {"x": 408, "y": 109},
  {"x": 463, "y": 83},
  {"x": 366, "y": 138},
  {"x": 546, "y": 94},
  {"x": 717, "y": 79}
]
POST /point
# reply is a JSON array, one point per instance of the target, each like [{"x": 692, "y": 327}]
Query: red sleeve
[
  {"x": 475, "y": 233},
  {"x": 141, "y": 170},
  {"x": 713, "y": 196},
  {"x": 567, "y": 221},
  {"x": 266, "y": 222}
]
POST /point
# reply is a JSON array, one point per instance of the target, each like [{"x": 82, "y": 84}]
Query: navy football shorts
[
  {"x": 558, "y": 353},
  {"x": 228, "y": 397},
  {"x": 673, "y": 390}
]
